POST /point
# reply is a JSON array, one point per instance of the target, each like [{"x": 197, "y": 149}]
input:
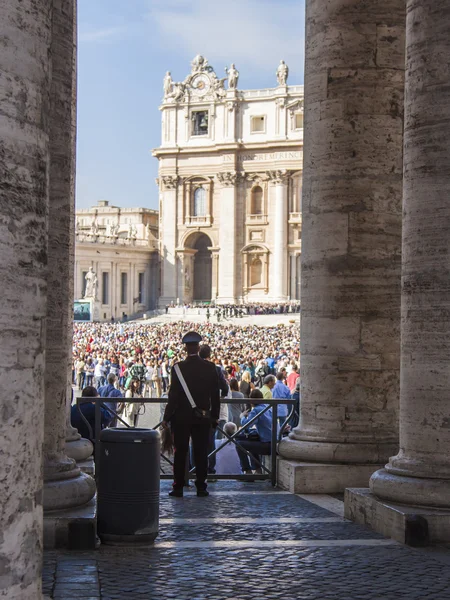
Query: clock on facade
[{"x": 201, "y": 84}]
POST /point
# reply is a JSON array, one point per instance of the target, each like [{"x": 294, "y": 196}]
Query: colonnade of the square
[{"x": 376, "y": 240}]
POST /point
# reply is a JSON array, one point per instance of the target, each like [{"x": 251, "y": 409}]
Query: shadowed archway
[{"x": 202, "y": 268}]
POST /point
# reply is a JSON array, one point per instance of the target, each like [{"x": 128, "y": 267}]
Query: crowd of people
[
  {"x": 247, "y": 309},
  {"x": 147, "y": 352},
  {"x": 118, "y": 360}
]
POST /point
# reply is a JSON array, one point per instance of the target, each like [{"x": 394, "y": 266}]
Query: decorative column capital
[
  {"x": 278, "y": 177},
  {"x": 170, "y": 182},
  {"x": 228, "y": 179}
]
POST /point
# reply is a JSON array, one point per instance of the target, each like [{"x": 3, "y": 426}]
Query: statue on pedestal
[
  {"x": 94, "y": 228},
  {"x": 91, "y": 284},
  {"x": 168, "y": 84},
  {"x": 282, "y": 73},
  {"x": 233, "y": 76},
  {"x": 132, "y": 232}
]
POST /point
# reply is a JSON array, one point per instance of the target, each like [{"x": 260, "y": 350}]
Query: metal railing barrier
[{"x": 277, "y": 433}]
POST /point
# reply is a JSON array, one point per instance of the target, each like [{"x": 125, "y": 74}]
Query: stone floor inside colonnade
[{"x": 250, "y": 542}]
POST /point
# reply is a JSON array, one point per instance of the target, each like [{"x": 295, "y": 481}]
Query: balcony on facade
[
  {"x": 204, "y": 221},
  {"x": 256, "y": 219}
]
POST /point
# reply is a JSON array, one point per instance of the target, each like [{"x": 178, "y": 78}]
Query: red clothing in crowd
[{"x": 292, "y": 380}]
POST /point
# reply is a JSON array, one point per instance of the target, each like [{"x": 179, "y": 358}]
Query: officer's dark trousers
[{"x": 200, "y": 434}]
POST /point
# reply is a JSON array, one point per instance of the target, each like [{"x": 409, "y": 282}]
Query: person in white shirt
[{"x": 227, "y": 460}]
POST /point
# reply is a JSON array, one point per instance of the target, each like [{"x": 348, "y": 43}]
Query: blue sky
[{"x": 124, "y": 49}]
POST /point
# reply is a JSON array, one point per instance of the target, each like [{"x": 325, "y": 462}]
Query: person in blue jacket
[{"x": 257, "y": 439}]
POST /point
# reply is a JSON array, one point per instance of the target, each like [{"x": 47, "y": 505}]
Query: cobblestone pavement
[{"x": 249, "y": 542}]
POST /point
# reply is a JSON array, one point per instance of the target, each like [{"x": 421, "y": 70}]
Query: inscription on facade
[{"x": 264, "y": 156}]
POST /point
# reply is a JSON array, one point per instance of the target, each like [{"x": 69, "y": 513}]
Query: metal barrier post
[{"x": 273, "y": 445}]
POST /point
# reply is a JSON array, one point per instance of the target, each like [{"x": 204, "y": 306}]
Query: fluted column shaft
[
  {"x": 420, "y": 473},
  {"x": 280, "y": 255},
  {"x": 25, "y": 30},
  {"x": 351, "y": 233},
  {"x": 64, "y": 484}
]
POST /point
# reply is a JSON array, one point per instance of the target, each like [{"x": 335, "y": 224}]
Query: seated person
[
  {"x": 257, "y": 440},
  {"x": 227, "y": 460},
  {"x": 88, "y": 410}
]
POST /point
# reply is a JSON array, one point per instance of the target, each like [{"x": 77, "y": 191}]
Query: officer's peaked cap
[{"x": 191, "y": 337}]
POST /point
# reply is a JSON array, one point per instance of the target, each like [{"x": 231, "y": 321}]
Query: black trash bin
[{"x": 128, "y": 486}]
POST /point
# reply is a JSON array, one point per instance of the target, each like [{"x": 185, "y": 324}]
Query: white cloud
[
  {"x": 98, "y": 35},
  {"x": 251, "y": 33}
]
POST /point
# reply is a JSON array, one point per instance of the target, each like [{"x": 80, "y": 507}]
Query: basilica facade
[{"x": 230, "y": 184}]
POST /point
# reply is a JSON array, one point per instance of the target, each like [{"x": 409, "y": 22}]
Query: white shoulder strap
[{"x": 184, "y": 385}]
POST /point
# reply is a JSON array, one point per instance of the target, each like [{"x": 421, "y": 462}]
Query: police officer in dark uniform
[{"x": 202, "y": 381}]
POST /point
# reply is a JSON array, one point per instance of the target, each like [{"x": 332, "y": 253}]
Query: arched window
[
  {"x": 256, "y": 205},
  {"x": 256, "y": 272},
  {"x": 200, "y": 202}
]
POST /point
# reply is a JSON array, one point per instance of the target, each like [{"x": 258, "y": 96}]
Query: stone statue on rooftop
[
  {"x": 233, "y": 77},
  {"x": 282, "y": 73},
  {"x": 94, "y": 228},
  {"x": 168, "y": 84},
  {"x": 199, "y": 64},
  {"x": 132, "y": 232}
]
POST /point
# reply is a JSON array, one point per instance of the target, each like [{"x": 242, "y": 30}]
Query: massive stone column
[
  {"x": 351, "y": 242},
  {"x": 280, "y": 256},
  {"x": 227, "y": 238},
  {"x": 25, "y": 30},
  {"x": 65, "y": 485},
  {"x": 420, "y": 472}
]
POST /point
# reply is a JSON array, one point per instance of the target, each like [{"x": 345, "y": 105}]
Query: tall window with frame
[
  {"x": 105, "y": 287},
  {"x": 199, "y": 208},
  {"x": 256, "y": 203},
  {"x": 123, "y": 288},
  {"x": 141, "y": 282}
]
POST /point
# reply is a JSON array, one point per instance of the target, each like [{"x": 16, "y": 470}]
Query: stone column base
[
  {"x": 74, "y": 528},
  {"x": 79, "y": 449},
  {"x": 69, "y": 493},
  {"x": 321, "y": 478},
  {"x": 394, "y": 520}
]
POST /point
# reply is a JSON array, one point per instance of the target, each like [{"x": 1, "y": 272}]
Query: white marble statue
[
  {"x": 282, "y": 73},
  {"x": 199, "y": 64},
  {"x": 178, "y": 91},
  {"x": 91, "y": 284},
  {"x": 233, "y": 76},
  {"x": 132, "y": 232},
  {"x": 168, "y": 84},
  {"x": 94, "y": 228}
]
